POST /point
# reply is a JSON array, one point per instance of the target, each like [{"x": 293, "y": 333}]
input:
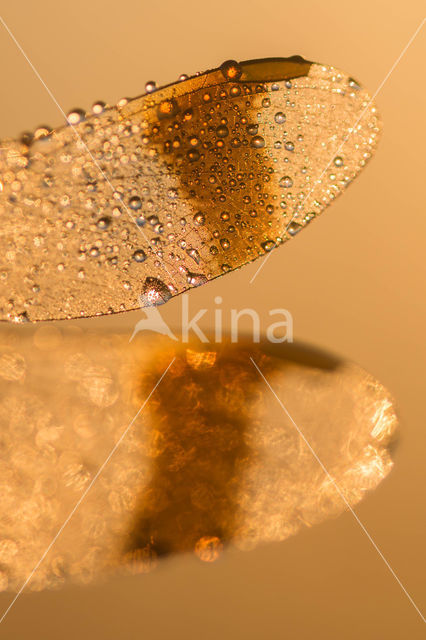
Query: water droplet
[
  {"x": 167, "y": 109},
  {"x": 222, "y": 131},
  {"x": 289, "y": 146},
  {"x": 354, "y": 84},
  {"x": 193, "y": 253},
  {"x": 193, "y": 155},
  {"x": 196, "y": 279},
  {"x": 135, "y": 203},
  {"x": 103, "y": 223},
  {"x": 199, "y": 219},
  {"x": 98, "y": 107},
  {"x": 75, "y": 116},
  {"x": 257, "y": 142},
  {"x": 150, "y": 86},
  {"x": 231, "y": 70},
  {"x": 20, "y": 318},
  {"x": 42, "y": 132},
  {"x": 294, "y": 228},
  {"x": 225, "y": 244},
  {"x": 279, "y": 117},
  {"x": 338, "y": 161},
  {"x": 286, "y": 182},
  {"x": 252, "y": 129},
  {"x": 268, "y": 245},
  {"x": 154, "y": 293},
  {"x": 139, "y": 255}
]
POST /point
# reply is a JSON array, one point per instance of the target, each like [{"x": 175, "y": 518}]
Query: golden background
[{"x": 357, "y": 289}]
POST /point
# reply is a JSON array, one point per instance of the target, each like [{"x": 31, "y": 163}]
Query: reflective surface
[{"x": 211, "y": 461}]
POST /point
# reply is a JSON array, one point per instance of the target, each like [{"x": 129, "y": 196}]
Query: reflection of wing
[
  {"x": 172, "y": 189},
  {"x": 211, "y": 460}
]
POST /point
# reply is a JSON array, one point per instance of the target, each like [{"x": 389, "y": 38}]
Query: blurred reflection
[{"x": 212, "y": 459}]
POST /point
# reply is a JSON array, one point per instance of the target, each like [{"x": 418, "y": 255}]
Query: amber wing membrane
[{"x": 131, "y": 205}]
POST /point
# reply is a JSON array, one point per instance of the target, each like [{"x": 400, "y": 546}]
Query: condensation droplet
[
  {"x": 293, "y": 228},
  {"x": 268, "y": 245},
  {"x": 104, "y": 223},
  {"x": 222, "y": 131},
  {"x": 139, "y": 255},
  {"x": 193, "y": 155},
  {"x": 354, "y": 84},
  {"x": 257, "y": 142},
  {"x": 196, "y": 279},
  {"x": 286, "y": 182},
  {"x": 167, "y": 109},
  {"x": 42, "y": 132},
  {"x": 135, "y": 203},
  {"x": 199, "y": 219},
  {"x": 279, "y": 117},
  {"x": 231, "y": 70},
  {"x": 150, "y": 86},
  {"x": 154, "y": 293},
  {"x": 98, "y": 107},
  {"x": 75, "y": 116},
  {"x": 194, "y": 254}
]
